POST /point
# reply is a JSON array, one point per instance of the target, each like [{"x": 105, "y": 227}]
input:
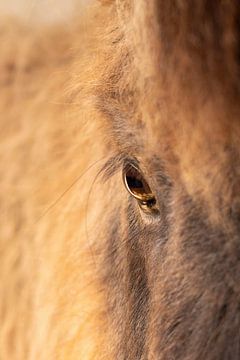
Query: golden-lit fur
[
  {"x": 51, "y": 144},
  {"x": 82, "y": 276}
]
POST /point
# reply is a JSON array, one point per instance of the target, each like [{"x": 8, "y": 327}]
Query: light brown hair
[{"x": 154, "y": 85}]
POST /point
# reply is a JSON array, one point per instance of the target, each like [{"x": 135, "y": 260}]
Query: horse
[{"x": 120, "y": 163}]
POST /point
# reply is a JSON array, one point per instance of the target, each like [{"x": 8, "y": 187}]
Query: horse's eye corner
[{"x": 138, "y": 188}]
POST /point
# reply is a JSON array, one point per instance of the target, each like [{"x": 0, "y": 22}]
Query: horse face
[{"x": 172, "y": 255}]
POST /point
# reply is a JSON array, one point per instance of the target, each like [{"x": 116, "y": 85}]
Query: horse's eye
[{"x": 138, "y": 187}]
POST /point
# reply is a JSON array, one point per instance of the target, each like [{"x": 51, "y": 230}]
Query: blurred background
[{"x": 40, "y": 10}]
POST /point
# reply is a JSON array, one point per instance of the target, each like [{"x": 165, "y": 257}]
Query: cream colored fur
[{"x": 51, "y": 151}]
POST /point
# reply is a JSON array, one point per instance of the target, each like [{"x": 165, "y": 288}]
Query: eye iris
[
  {"x": 134, "y": 183},
  {"x": 138, "y": 187}
]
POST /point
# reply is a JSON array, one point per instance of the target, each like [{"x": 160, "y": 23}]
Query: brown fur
[{"x": 85, "y": 274}]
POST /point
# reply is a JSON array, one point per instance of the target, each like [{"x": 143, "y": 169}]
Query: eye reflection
[{"x": 138, "y": 187}]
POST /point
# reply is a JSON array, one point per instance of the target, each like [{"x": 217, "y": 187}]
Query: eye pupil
[
  {"x": 134, "y": 183},
  {"x": 137, "y": 186}
]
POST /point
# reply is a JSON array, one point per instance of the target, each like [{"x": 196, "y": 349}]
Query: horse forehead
[
  {"x": 199, "y": 143},
  {"x": 189, "y": 86},
  {"x": 187, "y": 89}
]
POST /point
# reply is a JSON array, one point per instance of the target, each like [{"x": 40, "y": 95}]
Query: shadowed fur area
[{"x": 86, "y": 272}]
